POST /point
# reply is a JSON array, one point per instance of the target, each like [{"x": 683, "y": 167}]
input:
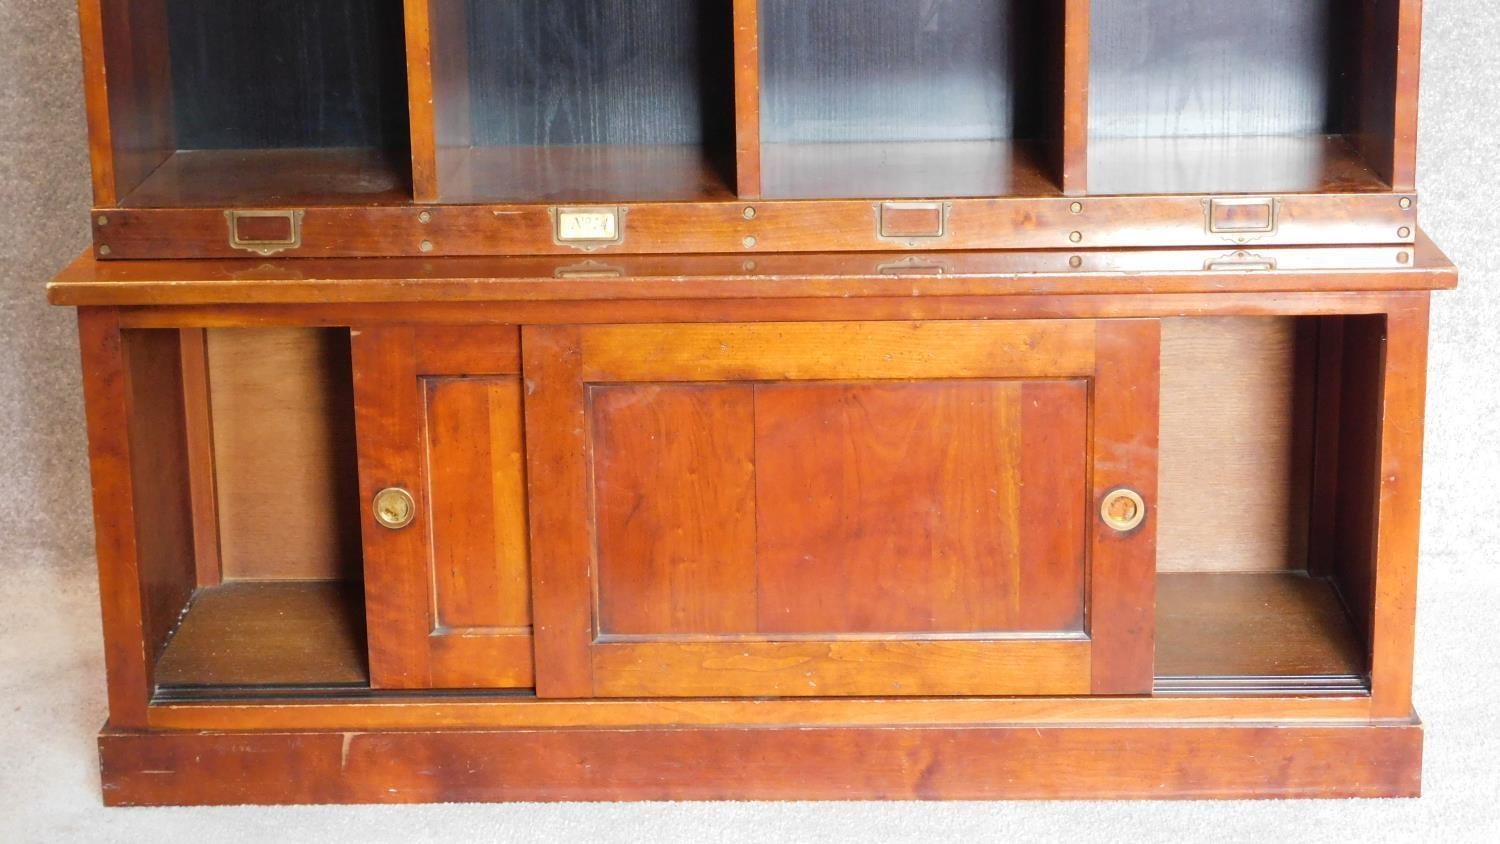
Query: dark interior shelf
[
  {"x": 1271, "y": 164},
  {"x": 657, "y": 172},
  {"x": 1244, "y": 630},
  {"x": 910, "y": 169},
  {"x": 269, "y": 634},
  {"x": 268, "y": 177}
]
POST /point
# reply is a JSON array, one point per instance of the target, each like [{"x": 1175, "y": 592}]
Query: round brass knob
[
  {"x": 394, "y": 508},
  {"x": 1123, "y": 509}
]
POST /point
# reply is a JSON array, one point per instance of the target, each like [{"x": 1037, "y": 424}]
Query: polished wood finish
[
  {"x": 800, "y": 416},
  {"x": 839, "y": 278},
  {"x": 657, "y": 228},
  {"x": 1402, "y": 412},
  {"x": 1288, "y": 164},
  {"x": 905, "y": 169},
  {"x": 989, "y": 762},
  {"x": 747, "y": 146},
  {"x": 283, "y": 634},
  {"x": 560, "y": 508},
  {"x": 449, "y": 595},
  {"x": 1254, "y": 625},
  {"x": 143, "y": 531},
  {"x": 415, "y": 711},
  {"x": 960, "y": 497},
  {"x": 1122, "y": 565},
  {"x": 127, "y": 94},
  {"x": 1005, "y": 101},
  {"x": 203, "y": 480},
  {"x": 1024, "y": 396},
  {"x": 275, "y": 177},
  {"x": 683, "y": 562}
]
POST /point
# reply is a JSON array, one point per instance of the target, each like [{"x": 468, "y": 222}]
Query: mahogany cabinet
[{"x": 779, "y": 399}]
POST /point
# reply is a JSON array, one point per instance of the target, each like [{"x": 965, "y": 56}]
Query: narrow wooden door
[
  {"x": 843, "y": 509},
  {"x": 442, "y": 474}
]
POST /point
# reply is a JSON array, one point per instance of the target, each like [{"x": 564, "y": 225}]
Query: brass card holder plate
[
  {"x": 588, "y": 228},
  {"x": 1243, "y": 218},
  {"x": 264, "y": 232},
  {"x": 912, "y": 221}
]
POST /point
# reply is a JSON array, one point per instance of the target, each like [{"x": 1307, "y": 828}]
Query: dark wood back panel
[
  {"x": 626, "y": 72},
  {"x": 1183, "y": 68},
  {"x": 288, "y": 73},
  {"x": 894, "y": 70}
]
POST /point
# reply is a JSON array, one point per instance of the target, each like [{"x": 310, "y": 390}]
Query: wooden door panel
[
  {"x": 888, "y": 507},
  {"x": 448, "y": 598},
  {"x": 839, "y": 509},
  {"x": 674, "y": 508}
]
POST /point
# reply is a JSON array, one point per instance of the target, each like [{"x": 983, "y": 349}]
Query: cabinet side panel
[
  {"x": 159, "y": 476},
  {"x": 128, "y": 87}
]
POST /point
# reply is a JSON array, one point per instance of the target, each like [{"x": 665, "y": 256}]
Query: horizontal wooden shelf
[
  {"x": 1238, "y": 628},
  {"x": 593, "y": 173},
  {"x": 268, "y": 634},
  {"x": 310, "y": 634},
  {"x": 1219, "y": 165},
  {"x": 213, "y": 178},
  {"x": 909, "y": 169}
]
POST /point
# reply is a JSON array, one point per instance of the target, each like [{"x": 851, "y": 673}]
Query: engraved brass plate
[
  {"x": 1123, "y": 510},
  {"x": 394, "y": 508},
  {"x": 588, "y": 227}
]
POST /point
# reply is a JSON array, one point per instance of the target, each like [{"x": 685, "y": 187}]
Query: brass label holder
[
  {"x": 264, "y": 232},
  {"x": 1242, "y": 218},
  {"x": 588, "y": 228}
]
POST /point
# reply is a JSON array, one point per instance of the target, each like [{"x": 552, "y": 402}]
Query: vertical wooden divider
[
  {"x": 747, "y": 97},
  {"x": 127, "y": 93},
  {"x": 197, "y": 402},
  {"x": 1408, "y": 66},
  {"x": 1075, "y": 95},
  {"x": 1403, "y": 406},
  {"x": 420, "y": 100}
]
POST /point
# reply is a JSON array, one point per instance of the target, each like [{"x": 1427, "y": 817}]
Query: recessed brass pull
[
  {"x": 394, "y": 508},
  {"x": 1123, "y": 509}
]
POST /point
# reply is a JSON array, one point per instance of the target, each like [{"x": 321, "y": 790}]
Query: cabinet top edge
[{"x": 88, "y": 281}]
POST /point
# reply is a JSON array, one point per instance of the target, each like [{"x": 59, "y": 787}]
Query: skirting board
[{"x": 992, "y": 762}]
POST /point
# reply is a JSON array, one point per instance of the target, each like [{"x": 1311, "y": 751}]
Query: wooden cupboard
[
  {"x": 836, "y": 509},
  {"x": 755, "y": 398}
]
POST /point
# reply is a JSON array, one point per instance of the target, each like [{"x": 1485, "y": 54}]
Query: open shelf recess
[{"x": 685, "y": 110}]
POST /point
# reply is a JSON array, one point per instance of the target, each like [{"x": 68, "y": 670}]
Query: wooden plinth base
[{"x": 1014, "y": 761}]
